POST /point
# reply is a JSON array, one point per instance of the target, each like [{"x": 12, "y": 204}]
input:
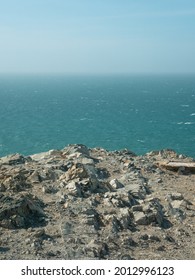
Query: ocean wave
[
  {"x": 142, "y": 141},
  {"x": 85, "y": 119},
  {"x": 186, "y": 123},
  {"x": 193, "y": 114}
]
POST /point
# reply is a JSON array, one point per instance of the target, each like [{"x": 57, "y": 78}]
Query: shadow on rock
[
  {"x": 4, "y": 249},
  {"x": 21, "y": 211}
]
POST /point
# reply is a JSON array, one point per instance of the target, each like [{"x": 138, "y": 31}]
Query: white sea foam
[
  {"x": 188, "y": 123},
  {"x": 193, "y": 114},
  {"x": 85, "y": 119},
  {"x": 185, "y": 105}
]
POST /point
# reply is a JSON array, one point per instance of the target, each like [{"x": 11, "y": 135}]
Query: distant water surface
[{"x": 141, "y": 113}]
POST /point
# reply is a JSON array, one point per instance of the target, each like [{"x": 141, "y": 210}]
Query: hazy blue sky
[{"x": 97, "y": 36}]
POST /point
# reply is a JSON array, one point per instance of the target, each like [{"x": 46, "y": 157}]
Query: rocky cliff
[{"x": 81, "y": 203}]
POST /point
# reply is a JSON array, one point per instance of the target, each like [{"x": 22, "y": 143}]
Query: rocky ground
[{"x": 81, "y": 203}]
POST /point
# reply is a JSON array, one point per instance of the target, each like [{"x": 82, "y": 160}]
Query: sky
[{"x": 99, "y": 36}]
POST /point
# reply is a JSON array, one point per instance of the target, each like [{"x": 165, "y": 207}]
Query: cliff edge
[{"x": 82, "y": 203}]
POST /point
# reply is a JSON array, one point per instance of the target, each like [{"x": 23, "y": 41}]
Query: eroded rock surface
[{"x": 82, "y": 203}]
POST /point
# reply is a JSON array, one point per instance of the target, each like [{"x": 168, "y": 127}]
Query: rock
[
  {"x": 176, "y": 204},
  {"x": 49, "y": 189},
  {"x": 126, "y": 152},
  {"x": 47, "y": 174},
  {"x": 175, "y": 166},
  {"x": 92, "y": 218},
  {"x": 177, "y": 208},
  {"x": 87, "y": 161},
  {"x": 176, "y": 196},
  {"x": 115, "y": 224},
  {"x": 102, "y": 173},
  {"x": 67, "y": 228},
  {"x": 136, "y": 190},
  {"x": 19, "y": 212},
  {"x": 116, "y": 184},
  {"x": 159, "y": 180},
  {"x": 73, "y": 188},
  {"x": 125, "y": 218},
  {"x": 28, "y": 240},
  {"x": 45, "y": 156},
  {"x": 54, "y": 153},
  {"x": 155, "y": 212},
  {"x": 181, "y": 157},
  {"x": 140, "y": 218},
  {"x": 169, "y": 238},
  {"x": 2, "y": 187},
  {"x": 137, "y": 208},
  {"x": 16, "y": 183},
  {"x": 97, "y": 249},
  {"x": 76, "y": 171},
  {"x": 181, "y": 170},
  {"x": 14, "y": 159},
  {"x": 152, "y": 212},
  {"x": 34, "y": 177},
  {"x": 167, "y": 153},
  {"x": 77, "y": 148}
]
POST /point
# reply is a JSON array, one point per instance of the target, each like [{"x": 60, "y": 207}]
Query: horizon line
[{"x": 97, "y": 73}]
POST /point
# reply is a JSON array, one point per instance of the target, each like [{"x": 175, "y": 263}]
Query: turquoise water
[{"x": 141, "y": 113}]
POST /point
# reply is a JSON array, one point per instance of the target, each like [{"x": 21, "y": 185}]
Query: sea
[{"x": 141, "y": 113}]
